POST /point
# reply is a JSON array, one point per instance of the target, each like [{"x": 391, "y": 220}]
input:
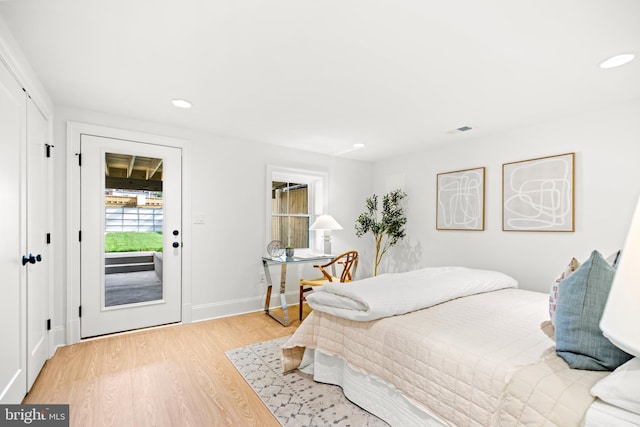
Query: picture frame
[
  {"x": 460, "y": 200},
  {"x": 538, "y": 194}
]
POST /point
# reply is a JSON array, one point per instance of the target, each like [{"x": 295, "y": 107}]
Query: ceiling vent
[{"x": 459, "y": 130}]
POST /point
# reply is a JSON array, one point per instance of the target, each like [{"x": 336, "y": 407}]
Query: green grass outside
[{"x": 132, "y": 242}]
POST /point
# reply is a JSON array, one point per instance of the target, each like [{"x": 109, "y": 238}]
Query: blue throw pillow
[{"x": 581, "y": 301}]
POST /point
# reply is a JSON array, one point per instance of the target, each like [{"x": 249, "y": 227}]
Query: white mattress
[{"x": 602, "y": 414}]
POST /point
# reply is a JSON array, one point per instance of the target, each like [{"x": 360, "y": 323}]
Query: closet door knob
[{"x": 31, "y": 259}]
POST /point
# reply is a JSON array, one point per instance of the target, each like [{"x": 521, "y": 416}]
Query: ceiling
[{"x": 322, "y": 75}]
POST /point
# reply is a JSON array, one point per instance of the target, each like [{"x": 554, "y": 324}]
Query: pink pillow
[{"x": 553, "y": 293}]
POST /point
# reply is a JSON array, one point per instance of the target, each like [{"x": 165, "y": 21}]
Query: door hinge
[
  {"x": 79, "y": 311},
  {"x": 48, "y": 324},
  {"x": 49, "y": 147},
  {"x": 48, "y": 238},
  {"x": 79, "y": 235},
  {"x": 79, "y": 158}
]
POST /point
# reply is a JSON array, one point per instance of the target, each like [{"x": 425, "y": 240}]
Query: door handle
[{"x": 32, "y": 259}]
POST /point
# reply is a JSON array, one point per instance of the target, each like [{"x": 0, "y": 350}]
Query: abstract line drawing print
[
  {"x": 538, "y": 194},
  {"x": 460, "y": 200}
]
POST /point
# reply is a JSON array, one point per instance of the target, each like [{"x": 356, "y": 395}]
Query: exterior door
[
  {"x": 37, "y": 229},
  {"x": 12, "y": 286},
  {"x": 131, "y": 235}
]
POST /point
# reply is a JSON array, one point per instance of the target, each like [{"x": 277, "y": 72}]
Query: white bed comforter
[
  {"x": 481, "y": 360},
  {"x": 392, "y": 294}
]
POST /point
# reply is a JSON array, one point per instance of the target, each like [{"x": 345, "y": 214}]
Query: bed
[{"x": 471, "y": 357}]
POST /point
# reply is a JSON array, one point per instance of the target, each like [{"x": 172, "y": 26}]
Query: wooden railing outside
[{"x": 132, "y": 201}]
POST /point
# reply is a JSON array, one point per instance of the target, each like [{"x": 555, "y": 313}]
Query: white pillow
[
  {"x": 614, "y": 258},
  {"x": 621, "y": 387}
]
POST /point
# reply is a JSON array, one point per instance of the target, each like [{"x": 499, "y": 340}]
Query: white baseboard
[
  {"x": 73, "y": 331},
  {"x": 187, "y": 313},
  {"x": 57, "y": 338},
  {"x": 61, "y": 336},
  {"x": 239, "y": 306}
]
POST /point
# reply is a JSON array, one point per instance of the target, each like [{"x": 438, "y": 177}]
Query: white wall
[
  {"x": 227, "y": 249},
  {"x": 607, "y": 184},
  {"x": 232, "y": 176},
  {"x": 228, "y": 186}
]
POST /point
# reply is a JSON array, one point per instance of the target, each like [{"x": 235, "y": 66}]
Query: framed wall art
[
  {"x": 538, "y": 194},
  {"x": 460, "y": 200}
]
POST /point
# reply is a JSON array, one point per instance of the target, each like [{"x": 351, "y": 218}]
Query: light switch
[{"x": 199, "y": 218}]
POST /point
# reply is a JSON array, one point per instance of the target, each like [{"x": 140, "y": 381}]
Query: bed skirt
[{"x": 370, "y": 393}]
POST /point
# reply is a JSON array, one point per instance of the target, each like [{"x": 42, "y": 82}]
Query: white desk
[{"x": 283, "y": 261}]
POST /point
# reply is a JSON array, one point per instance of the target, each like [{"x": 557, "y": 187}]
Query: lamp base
[{"x": 327, "y": 244}]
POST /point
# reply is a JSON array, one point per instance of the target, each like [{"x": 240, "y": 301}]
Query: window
[
  {"x": 290, "y": 213},
  {"x": 296, "y": 197}
]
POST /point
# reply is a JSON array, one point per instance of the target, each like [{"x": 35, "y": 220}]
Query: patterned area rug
[{"x": 295, "y": 398}]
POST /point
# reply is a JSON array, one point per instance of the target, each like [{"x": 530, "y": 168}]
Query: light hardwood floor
[{"x": 169, "y": 376}]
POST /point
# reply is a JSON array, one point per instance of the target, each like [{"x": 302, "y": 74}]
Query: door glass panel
[{"x": 133, "y": 229}]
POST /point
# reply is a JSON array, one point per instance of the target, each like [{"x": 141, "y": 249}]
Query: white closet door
[
  {"x": 13, "y": 384},
  {"x": 37, "y": 228}
]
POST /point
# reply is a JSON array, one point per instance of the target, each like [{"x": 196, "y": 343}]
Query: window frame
[{"x": 317, "y": 188}]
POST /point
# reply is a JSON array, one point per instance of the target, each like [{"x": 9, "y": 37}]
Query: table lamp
[
  {"x": 621, "y": 315},
  {"x": 327, "y": 224}
]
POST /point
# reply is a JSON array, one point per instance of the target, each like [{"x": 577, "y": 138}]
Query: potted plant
[
  {"x": 289, "y": 251},
  {"x": 387, "y": 227}
]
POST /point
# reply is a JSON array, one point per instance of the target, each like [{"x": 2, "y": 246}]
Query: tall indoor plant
[{"x": 387, "y": 226}]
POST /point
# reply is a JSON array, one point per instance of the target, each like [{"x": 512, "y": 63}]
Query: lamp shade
[
  {"x": 325, "y": 222},
  {"x": 621, "y": 315}
]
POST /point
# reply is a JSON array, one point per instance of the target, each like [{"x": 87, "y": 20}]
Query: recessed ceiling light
[
  {"x": 181, "y": 103},
  {"x": 359, "y": 145},
  {"x": 618, "y": 60}
]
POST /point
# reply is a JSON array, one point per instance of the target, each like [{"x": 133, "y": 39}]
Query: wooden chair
[{"x": 348, "y": 261}]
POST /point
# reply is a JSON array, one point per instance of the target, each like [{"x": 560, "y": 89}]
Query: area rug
[{"x": 295, "y": 398}]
